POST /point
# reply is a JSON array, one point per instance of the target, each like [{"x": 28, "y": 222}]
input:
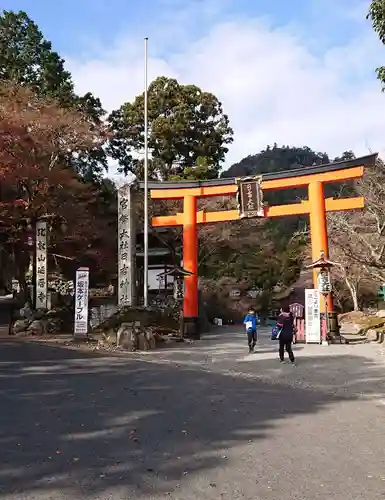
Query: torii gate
[{"x": 316, "y": 206}]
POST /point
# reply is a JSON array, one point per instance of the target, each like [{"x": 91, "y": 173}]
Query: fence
[
  {"x": 298, "y": 311},
  {"x": 301, "y": 333}
]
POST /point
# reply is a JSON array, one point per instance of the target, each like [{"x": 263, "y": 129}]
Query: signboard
[
  {"x": 178, "y": 286},
  {"x": 312, "y": 316},
  {"x": 250, "y": 197},
  {"x": 125, "y": 247},
  {"x": 297, "y": 310},
  {"x": 324, "y": 285},
  {"x": 81, "y": 301},
  {"x": 41, "y": 265}
]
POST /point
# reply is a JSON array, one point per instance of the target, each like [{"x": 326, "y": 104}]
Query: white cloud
[{"x": 272, "y": 86}]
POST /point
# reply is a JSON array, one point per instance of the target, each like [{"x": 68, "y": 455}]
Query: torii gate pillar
[
  {"x": 318, "y": 229},
  {"x": 190, "y": 263}
]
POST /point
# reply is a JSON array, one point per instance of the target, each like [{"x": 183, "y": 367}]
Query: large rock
[
  {"x": 133, "y": 336},
  {"x": 146, "y": 340},
  {"x": 376, "y": 334},
  {"x": 381, "y": 314},
  {"x": 351, "y": 328},
  {"x": 53, "y": 325},
  {"x": 125, "y": 336},
  {"x": 151, "y": 338},
  {"x": 37, "y": 327},
  {"x": 147, "y": 317},
  {"x": 26, "y": 312},
  {"x": 351, "y": 317},
  {"x": 137, "y": 328},
  {"x": 143, "y": 344},
  {"x": 20, "y": 325},
  {"x": 39, "y": 313},
  {"x": 371, "y": 322},
  {"x": 361, "y": 325}
]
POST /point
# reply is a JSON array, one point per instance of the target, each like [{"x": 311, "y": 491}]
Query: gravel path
[{"x": 200, "y": 421}]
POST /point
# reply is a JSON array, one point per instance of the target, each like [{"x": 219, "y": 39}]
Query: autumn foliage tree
[
  {"x": 38, "y": 139},
  {"x": 27, "y": 58}
]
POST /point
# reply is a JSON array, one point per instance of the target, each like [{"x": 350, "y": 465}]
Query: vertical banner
[
  {"x": 125, "y": 248},
  {"x": 41, "y": 265},
  {"x": 312, "y": 316},
  {"x": 81, "y": 301}
]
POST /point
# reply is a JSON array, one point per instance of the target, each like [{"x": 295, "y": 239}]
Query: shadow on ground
[{"x": 78, "y": 422}]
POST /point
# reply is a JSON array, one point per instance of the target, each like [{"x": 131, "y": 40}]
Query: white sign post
[
  {"x": 41, "y": 265},
  {"x": 312, "y": 316},
  {"x": 81, "y": 301}
]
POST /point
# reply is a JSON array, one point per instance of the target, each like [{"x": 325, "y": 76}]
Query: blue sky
[
  {"x": 72, "y": 24},
  {"x": 298, "y": 72}
]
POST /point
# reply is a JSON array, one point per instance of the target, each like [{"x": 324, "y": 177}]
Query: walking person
[
  {"x": 251, "y": 321},
  {"x": 285, "y": 323}
]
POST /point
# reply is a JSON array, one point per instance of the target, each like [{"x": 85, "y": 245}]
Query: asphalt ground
[{"x": 197, "y": 421}]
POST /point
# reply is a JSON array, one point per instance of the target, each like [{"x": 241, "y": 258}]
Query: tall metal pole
[{"x": 145, "y": 291}]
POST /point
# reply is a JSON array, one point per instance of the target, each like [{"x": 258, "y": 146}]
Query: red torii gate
[{"x": 316, "y": 206}]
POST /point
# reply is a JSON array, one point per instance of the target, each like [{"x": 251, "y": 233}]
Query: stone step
[
  {"x": 376, "y": 335},
  {"x": 353, "y": 339}
]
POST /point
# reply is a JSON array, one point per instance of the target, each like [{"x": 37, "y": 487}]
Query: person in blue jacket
[{"x": 251, "y": 322}]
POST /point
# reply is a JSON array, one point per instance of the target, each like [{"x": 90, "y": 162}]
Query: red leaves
[
  {"x": 36, "y": 135},
  {"x": 11, "y": 204},
  {"x": 38, "y": 140}
]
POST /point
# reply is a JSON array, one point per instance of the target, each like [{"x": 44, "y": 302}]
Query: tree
[
  {"x": 276, "y": 159},
  {"x": 347, "y": 274},
  {"x": 27, "y": 58},
  {"x": 187, "y": 127},
  {"x": 346, "y": 156},
  {"x": 250, "y": 251},
  {"x": 262, "y": 253},
  {"x": 360, "y": 235},
  {"x": 36, "y": 138},
  {"x": 92, "y": 163},
  {"x": 377, "y": 16}
]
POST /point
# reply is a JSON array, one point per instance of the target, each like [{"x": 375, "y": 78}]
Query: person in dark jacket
[{"x": 285, "y": 322}]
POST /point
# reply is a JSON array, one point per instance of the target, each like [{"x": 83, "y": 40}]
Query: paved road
[{"x": 202, "y": 421}]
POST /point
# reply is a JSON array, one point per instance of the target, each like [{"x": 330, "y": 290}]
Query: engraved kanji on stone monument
[
  {"x": 125, "y": 247},
  {"x": 41, "y": 265}
]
